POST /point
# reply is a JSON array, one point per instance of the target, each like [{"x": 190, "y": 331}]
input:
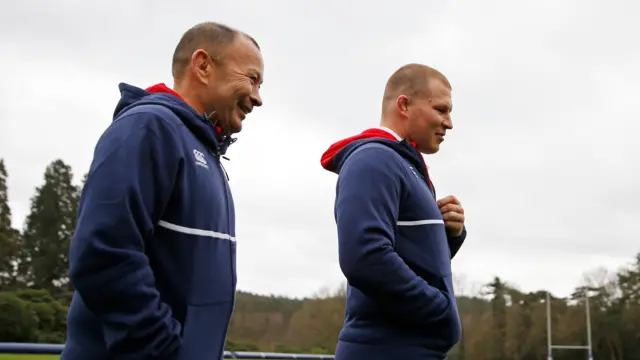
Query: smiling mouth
[{"x": 246, "y": 110}]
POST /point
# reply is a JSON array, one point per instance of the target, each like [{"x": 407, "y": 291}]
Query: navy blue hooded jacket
[
  {"x": 394, "y": 252},
  {"x": 153, "y": 256}
]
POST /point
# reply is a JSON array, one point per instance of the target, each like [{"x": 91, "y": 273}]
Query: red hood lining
[
  {"x": 327, "y": 158},
  {"x": 162, "y": 88}
]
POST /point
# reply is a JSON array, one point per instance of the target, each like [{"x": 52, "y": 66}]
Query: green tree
[
  {"x": 9, "y": 237},
  {"x": 49, "y": 229},
  {"x": 498, "y": 291},
  {"x": 628, "y": 308},
  {"x": 629, "y": 283},
  {"x": 18, "y": 322},
  {"x": 51, "y": 314}
]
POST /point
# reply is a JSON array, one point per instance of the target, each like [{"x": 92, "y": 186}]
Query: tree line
[{"x": 500, "y": 322}]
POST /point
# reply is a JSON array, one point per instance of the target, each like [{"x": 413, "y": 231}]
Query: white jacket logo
[
  {"x": 415, "y": 173},
  {"x": 200, "y": 160}
]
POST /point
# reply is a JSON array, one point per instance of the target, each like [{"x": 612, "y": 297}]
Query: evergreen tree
[
  {"x": 9, "y": 237},
  {"x": 498, "y": 290},
  {"x": 49, "y": 229}
]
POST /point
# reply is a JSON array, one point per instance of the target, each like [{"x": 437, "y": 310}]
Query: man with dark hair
[
  {"x": 153, "y": 258},
  {"x": 395, "y": 239}
]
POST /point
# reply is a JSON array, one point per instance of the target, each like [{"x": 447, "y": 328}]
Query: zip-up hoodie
[
  {"x": 153, "y": 258},
  {"x": 393, "y": 250}
]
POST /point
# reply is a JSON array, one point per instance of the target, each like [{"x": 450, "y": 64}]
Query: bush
[
  {"x": 52, "y": 316},
  {"x": 18, "y": 322},
  {"x": 31, "y": 316},
  {"x": 240, "y": 346}
]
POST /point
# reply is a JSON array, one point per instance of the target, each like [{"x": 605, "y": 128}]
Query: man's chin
[
  {"x": 230, "y": 127},
  {"x": 429, "y": 150},
  {"x": 233, "y": 128}
]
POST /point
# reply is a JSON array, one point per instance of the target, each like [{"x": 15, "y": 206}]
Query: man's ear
[
  {"x": 402, "y": 105},
  {"x": 201, "y": 65}
]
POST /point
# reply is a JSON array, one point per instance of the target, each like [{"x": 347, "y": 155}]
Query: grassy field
[{"x": 28, "y": 357}]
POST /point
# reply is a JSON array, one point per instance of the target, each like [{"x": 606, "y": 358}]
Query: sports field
[{"x": 28, "y": 357}]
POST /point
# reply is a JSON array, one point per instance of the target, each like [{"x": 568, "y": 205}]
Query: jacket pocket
[
  {"x": 233, "y": 266},
  {"x": 454, "y": 325},
  {"x": 212, "y": 279},
  {"x": 204, "y": 332}
]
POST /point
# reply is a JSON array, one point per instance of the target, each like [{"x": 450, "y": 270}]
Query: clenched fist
[{"x": 452, "y": 214}]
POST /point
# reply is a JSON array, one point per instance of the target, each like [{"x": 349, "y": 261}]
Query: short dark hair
[
  {"x": 211, "y": 36},
  {"x": 411, "y": 80}
]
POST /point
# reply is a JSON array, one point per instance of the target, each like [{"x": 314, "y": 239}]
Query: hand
[{"x": 452, "y": 214}]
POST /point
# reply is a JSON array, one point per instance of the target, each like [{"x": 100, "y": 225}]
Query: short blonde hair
[{"x": 412, "y": 80}]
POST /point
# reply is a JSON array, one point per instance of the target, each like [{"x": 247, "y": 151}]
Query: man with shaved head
[
  {"x": 153, "y": 257},
  {"x": 396, "y": 240}
]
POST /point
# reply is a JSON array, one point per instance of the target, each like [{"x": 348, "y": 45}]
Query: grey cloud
[{"x": 543, "y": 154}]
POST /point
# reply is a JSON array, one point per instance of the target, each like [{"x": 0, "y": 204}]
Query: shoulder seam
[
  {"x": 397, "y": 159},
  {"x": 132, "y": 112}
]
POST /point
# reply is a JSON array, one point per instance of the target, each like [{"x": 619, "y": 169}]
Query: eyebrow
[
  {"x": 257, "y": 74},
  {"x": 447, "y": 106}
]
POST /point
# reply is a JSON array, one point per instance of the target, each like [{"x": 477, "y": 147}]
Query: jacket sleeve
[
  {"x": 456, "y": 242},
  {"x": 128, "y": 185},
  {"x": 368, "y": 196}
]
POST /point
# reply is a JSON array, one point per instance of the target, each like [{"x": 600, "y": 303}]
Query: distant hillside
[{"x": 304, "y": 325}]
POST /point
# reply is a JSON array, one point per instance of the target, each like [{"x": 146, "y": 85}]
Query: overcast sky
[{"x": 544, "y": 153}]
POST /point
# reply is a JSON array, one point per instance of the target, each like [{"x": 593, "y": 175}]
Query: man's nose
[
  {"x": 256, "y": 100},
  {"x": 447, "y": 123}
]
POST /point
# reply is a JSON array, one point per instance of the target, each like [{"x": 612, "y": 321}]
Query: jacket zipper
[{"x": 225, "y": 179}]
